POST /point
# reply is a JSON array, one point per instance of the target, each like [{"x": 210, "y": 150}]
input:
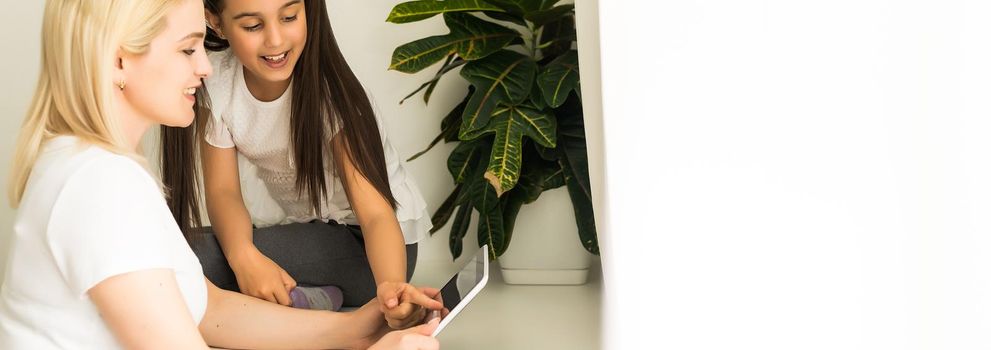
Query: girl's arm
[
  {"x": 384, "y": 243},
  {"x": 385, "y": 248},
  {"x": 257, "y": 275},
  {"x": 145, "y": 310},
  {"x": 237, "y": 321}
]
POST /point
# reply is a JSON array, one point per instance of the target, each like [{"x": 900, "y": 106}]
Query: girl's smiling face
[{"x": 267, "y": 36}]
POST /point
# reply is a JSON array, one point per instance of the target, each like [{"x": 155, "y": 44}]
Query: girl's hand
[
  {"x": 262, "y": 278},
  {"x": 405, "y": 306},
  {"x": 416, "y": 338}
]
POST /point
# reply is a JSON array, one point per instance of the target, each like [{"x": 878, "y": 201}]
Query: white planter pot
[{"x": 545, "y": 248}]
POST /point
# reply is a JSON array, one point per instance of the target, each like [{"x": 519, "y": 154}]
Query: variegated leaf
[
  {"x": 559, "y": 78},
  {"x": 504, "y": 77},
  {"x": 470, "y": 37},
  {"x": 412, "y": 11}
]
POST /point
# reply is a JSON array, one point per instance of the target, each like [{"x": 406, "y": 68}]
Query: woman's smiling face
[{"x": 163, "y": 79}]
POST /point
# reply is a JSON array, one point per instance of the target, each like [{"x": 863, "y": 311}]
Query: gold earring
[{"x": 120, "y": 85}]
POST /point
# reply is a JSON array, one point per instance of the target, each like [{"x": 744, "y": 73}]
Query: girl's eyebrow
[{"x": 258, "y": 14}]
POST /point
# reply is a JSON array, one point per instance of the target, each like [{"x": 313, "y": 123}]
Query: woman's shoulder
[
  {"x": 70, "y": 153},
  {"x": 66, "y": 162},
  {"x": 88, "y": 163}
]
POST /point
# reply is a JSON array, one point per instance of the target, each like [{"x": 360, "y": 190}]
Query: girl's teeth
[
  {"x": 190, "y": 91},
  {"x": 275, "y": 58}
]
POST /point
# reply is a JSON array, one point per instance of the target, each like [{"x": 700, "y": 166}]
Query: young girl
[
  {"x": 284, "y": 97},
  {"x": 97, "y": 261}
]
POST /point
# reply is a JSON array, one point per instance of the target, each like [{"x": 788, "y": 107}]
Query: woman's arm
[
  {"x": 145, "y": 310},
  {"x": 237, "y": 321},
  {"x": 257, "y": 275}
]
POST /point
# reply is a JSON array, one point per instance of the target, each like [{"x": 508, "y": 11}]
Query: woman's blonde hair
[{"x": 79, "y": 42}]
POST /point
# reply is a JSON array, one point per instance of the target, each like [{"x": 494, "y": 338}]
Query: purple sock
[{"x": 317, "y": 298}]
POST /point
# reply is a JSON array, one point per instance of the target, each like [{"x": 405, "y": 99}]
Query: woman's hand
[
  {"x": 260, "y": 277},
  {"x": 405, "y": 306}
]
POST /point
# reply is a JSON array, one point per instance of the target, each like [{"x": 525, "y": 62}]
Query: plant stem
[{"x": 533, "y": 40}]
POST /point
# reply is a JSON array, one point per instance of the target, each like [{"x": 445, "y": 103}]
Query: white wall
[
  {"x": 367, "y": 41},
  {"x": 20, "y": 31},
  {"x": 786, "y": 174}
]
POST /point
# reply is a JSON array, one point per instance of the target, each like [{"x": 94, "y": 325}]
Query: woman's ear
[{"x": 213, "y": 22}]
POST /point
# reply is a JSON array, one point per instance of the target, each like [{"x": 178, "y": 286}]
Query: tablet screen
[{"x": 461, "y": 288}]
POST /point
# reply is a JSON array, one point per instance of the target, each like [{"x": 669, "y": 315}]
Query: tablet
[{"x": 464, "y": 286}]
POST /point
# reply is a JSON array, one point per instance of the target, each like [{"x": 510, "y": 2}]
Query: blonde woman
[{"x": 97, "y": 261}]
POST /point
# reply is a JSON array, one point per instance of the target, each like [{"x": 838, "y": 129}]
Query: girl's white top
[{"x": 260, "y": 131}]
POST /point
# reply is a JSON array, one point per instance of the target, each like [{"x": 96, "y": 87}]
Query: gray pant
[{"x": 314, "y": 254}]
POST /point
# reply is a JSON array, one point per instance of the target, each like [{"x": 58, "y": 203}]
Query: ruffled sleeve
[
  {"x": 411, "y": 210},
  {"x": 219, "y": 88}
]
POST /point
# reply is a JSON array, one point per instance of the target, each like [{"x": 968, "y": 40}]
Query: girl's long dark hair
[{"x": 326, "y": 96}]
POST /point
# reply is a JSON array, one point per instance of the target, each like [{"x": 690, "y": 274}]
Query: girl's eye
[
  {"x": 189, "y": 52},
  {"x": 290, "y": 18},
  {"x": 253, "y": 28}
]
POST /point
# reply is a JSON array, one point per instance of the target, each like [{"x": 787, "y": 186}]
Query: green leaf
[
  {"x": 466, "y": 195},
  {"x": 546, "y": 4},
  {"x": 518, "y": 7},
  {"x": 449, "y": 64},
  {"x": 414, "y": 56},
  {"x": 536, "y": 97},
  {"x": 432, "y": 81},
  {"x": 550, "y": 15},
  {"x": 574, "y": 162},
  {"x": 570, "y": 117},
  {"x": 490, "y": 231},
  {"x": 470, "y": 37},
  {"x": 584, "y": 216},
  {"x": 453, "y": 118},
  {"x": 413, "y": 11},
  {"x": 511, "y": 205},
  {"x": 509, "y": 124},
  {"x": 538, "y": 176},
  {"x": 462, "y": 160},
  {"x": 547, "y": 153},
  {"x": 462, "y": 220},
  {"x": 556, "y": 37},
  {"x": 445, "y": 210},
  {"x": 503, "y": 77},
  {"x": 505, "y": 17},
  {"x": 486, "y": 37},
  {"x": 559, "y": 78},
  {"x": 433, "y": 143},
  {"x": 430, "y": 90},
  {"x": 539, "y": 126},
  {"x": 483, "y": 195}
]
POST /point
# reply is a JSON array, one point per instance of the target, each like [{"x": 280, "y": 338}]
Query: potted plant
[{"x": 520, "y": 129}]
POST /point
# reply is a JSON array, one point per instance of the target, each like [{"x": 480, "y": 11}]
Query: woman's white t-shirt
[
  {"x": 260, "y": 131},
  {"x": 87, "y": 214}
]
